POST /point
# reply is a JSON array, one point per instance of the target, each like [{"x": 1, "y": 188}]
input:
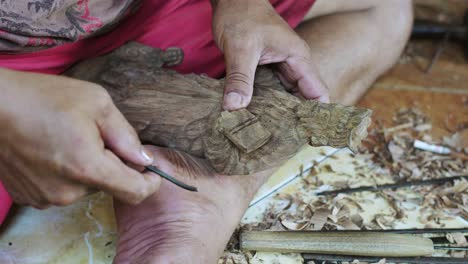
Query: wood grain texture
[
  {"x": 184, "y": 112},
  {"x": 339, "y": 243}
]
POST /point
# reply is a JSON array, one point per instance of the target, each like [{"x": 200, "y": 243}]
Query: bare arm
[{"x": 61, "y": 138}]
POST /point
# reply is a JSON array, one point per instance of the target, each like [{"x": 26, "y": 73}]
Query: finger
[
  {"x": 68, "y": 193},
  {"x": 308, "y": 82},
  {"x": 120, "y": 137},
  {"x": 241, "y": 63},
  {"x": 123, "y": 182},
  {"x": 136, "y": 167},
  {"x": 288, "y": 86},
  {"x": 41, "y": 206}
]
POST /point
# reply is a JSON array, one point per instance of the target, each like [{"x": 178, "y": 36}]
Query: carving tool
[
  {"x": 322, "y": 258},
  {"x": 339, "y": 243},
  {"x": 394, "y": 185},
  {"x": 171, "y": 179},
  {"x": 396, "y": 246}
]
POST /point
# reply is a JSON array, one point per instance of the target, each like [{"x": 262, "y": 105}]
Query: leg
[
  {"x": 354, "y": 42},
  {"x": 176, "y": 226}
]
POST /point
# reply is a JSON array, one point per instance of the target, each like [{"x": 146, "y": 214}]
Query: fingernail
[
  {"x": 146, "y": 155},
  {"x": 233, "y": 100}
]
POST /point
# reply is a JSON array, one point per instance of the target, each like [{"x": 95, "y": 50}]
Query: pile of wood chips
[{"x": 389, "y": 156}]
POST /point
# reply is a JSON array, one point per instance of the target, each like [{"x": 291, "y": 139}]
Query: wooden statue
[{"x": 184, "y": 112}]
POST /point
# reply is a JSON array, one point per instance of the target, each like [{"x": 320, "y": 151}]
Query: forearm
[{"x": 352, "y": 49}]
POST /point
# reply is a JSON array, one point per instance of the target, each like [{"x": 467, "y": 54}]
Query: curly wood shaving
[
  {"x": 389, "y": 157},
  {"x": 384, "y": 221},
  {"x": 292, "y": 225},
  {"x": 235, "y": 257},
  {"x": 458, "y": 239},
  {"x": 394, "y": 204},
  {"x": 319, "y": 219},
  {"x": 347, "y": 224}
]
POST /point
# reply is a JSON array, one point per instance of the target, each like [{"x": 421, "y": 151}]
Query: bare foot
[{"x": 177, "y": 226}]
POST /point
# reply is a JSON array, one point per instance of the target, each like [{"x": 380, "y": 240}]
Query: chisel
[
  {"x": 338, "y": 243},
  {"x": 171, "y": 179}
]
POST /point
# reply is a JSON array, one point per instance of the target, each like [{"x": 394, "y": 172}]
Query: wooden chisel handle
[{"x": 339, "y": 243}]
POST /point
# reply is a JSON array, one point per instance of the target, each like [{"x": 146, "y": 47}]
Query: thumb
[
  {"x": 241, "y": 64},
  {"x": 121, "y": 138}
]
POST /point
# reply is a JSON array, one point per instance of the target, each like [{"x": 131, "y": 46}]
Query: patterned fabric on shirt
[{"x": 28, "y": 25}]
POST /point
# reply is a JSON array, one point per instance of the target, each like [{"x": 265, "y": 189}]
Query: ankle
[{"x": 248, "y": 185}]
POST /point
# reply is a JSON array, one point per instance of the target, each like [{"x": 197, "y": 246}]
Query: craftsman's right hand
[{"x": 62, "y": 138}]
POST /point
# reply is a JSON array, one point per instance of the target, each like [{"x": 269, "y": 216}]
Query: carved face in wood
[{"x": 184, "y": 112}]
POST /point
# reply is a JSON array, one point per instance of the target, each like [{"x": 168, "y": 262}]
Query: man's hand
[
  {"x": 61, "y": 138},
  {"x": 251, "y": 33}
]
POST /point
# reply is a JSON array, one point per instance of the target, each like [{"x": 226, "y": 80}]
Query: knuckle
[
  {"x": 237, "y": 77},
  {"x": 83, "y": 172},
  {"x": 103, "y": 101},
  {"x": 302, "y": 48},
  {"x": 64, "y": 197},
  {"x": 51, "y": 197},
  {"x": 135, "y": 199},
  {"x": 76, "y": 141},
  {"x": 68, "y": 198},
  {"x": 145, "y": 192}
]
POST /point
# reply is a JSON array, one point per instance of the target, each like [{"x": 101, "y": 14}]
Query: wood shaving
[
  {"x": 319, "y": 218},
  {"x": 388, "y": 157},
  {"x": 235, "y": 257}
]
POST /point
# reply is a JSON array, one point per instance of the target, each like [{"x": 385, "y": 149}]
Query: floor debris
[{"x": 389, "y": 156}]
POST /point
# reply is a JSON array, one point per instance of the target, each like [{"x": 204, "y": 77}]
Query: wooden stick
[
  {"x": 431, "y": 232},
  {"x": 394, "y": 185},
  {"x": 403, "y": 231},
  {"x": 319, "y": 258},
  {"x": 340, "y": 243}
]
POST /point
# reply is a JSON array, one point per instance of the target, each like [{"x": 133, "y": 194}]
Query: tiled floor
[{"x": 443, "y": 92}]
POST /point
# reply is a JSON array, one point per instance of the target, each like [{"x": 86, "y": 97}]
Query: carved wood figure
[{"x": 184, "y": 112}]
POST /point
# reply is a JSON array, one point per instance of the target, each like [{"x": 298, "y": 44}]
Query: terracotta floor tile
[
  {"x": 437, "y": 106},
  {"x": 444, "y": 76}
]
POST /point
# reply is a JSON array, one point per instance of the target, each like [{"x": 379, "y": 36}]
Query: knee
[{"x": 398, "y": 17}]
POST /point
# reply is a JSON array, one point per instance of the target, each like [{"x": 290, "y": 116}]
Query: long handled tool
[
  {"x": 338, "y": 243},
  {"x": 323, "y": 258}
]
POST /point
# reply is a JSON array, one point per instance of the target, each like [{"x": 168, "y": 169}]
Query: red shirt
[{"x": 158, "y": 23}]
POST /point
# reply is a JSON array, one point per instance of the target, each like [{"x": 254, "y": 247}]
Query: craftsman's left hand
[{"x": 251, "y": 33}]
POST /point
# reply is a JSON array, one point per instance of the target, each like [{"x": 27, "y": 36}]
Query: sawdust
[{"x": 389, "y": 156}]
